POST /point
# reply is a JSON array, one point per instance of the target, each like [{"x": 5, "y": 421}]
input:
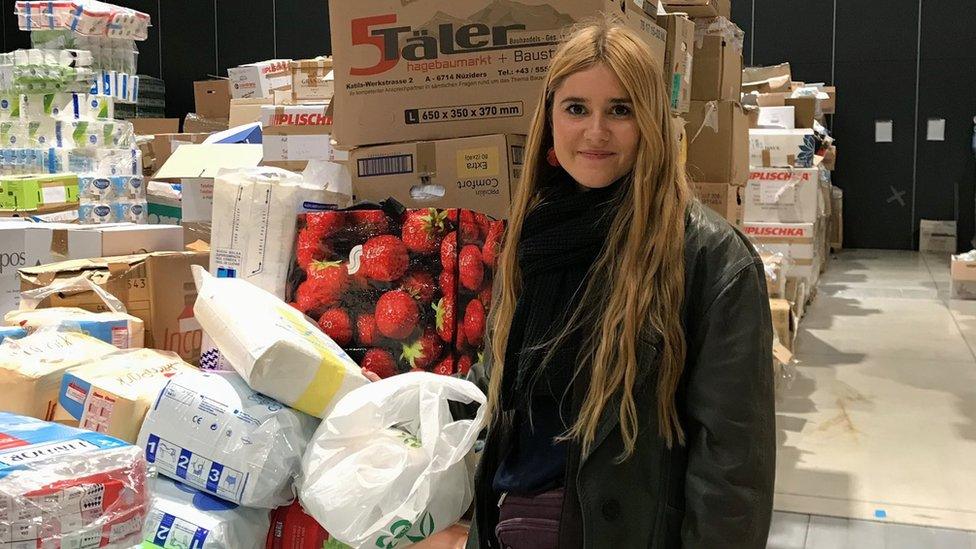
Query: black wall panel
[
  {"x": 797, "y": 31},
  {"x": 14, "y": 38},
  {"x": 245, "y": 33},
  {"x": 302, "y": 29},
  {"x": 189, "y": 50},
  {"x": 149, "y": 49},
  {"x": 742, "y": 11}
]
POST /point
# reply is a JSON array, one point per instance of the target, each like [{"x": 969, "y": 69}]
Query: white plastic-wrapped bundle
[
  {"x": 120, "y": 329},
  {"x": 214, "y": 433},
  {"x": 65, "y": 487},
  {"x": 181, "y": 516},
  {"x": 273, "y": 346}
]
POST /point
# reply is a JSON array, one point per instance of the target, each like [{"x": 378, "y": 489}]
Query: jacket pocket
[{"x": 535, "y": 533}]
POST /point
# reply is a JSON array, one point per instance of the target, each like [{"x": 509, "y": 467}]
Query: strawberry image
[
  {"x": 464, "y": 365},
  {"x": 423, "y": 230},
  {"x": 396, "y": 314},
  {"x": 326, "y": 282},
  {"x": 468, "y": 227},
  {"x": 445, "y": 367},
  {"x": 368, "y": 223},
  {"x": 471, "y": 270},
  {"x": 366, "y": 329},
  {"x": 324, "y": 224},
  {"x": 337, "y": 325},
  {"x": 493, "y": 241},
  {"x": 384, "y": 258},
  {"x": 444, "y": 318},
  {"x": 449, "y": 251},
  {"x": 424, "y": 351},
  {"x": 483, "y": 223},
  {"x": 380, "y": 363},
  {"x": 474, "y": 323},
  {"x": 308, "y": 248},
  {"x": 420, "y": 285},
  {"x": 448, "y": 282},
  {"x": 452, "y": 215}
]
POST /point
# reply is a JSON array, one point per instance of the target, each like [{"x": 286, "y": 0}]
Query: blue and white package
[
  {"x": 132, "y": 211},
  {"x": 96, "y": 213},
  {"x": 95, "y": 188},
  {"x": 68, "y": 487},
  {"x": 120, "y": 329},
  {"x": 214, "y": 433},
  {"x": 181, "y": 516},
  {"x": 11, "y": 332},
  {"x": 129, "y": 186}
]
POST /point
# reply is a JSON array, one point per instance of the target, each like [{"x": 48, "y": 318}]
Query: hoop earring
[{"x": 551, "y": 157}]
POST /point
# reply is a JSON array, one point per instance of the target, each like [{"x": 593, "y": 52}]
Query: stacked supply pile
[
  {"x": 82, "y": 62},
  {"x": 717, "y": 128}
]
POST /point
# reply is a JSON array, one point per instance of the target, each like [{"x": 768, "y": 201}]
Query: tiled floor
[{"x": 878, "y": 428}]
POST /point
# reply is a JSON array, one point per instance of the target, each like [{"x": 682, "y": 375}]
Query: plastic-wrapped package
[
  {"x": 31, "y": 369},
  {"x": 214, "y": 433},
  {"x": 388, "y": 466},
  {"x": 66, "y": 487},
  {"x": 84, "y": 17},
  {"x": 293, "y": 528},
  {"x": 181, "y": 516},
  {"x": 273, "y": 346},
  {"x": 120, "y": 329},
  {"x": 11, "y": 332},
  {"x": 111, "y": 394}
]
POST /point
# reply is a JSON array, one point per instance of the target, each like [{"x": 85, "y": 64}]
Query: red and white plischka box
[{"x": 259, "y": 79}]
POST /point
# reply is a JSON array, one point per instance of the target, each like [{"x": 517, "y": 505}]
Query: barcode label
[
  {"x": 385, "y": 165},
  {"x": 518, "y": 154}
]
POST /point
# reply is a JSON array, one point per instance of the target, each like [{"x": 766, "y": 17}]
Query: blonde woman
[{"x": 630, "y": 392}]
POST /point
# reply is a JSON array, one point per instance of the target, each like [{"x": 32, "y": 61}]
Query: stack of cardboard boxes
[{"x": 716, "y": 126}]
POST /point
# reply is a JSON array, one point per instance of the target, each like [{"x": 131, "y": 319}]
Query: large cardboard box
[
  {"x": 259, "y": 79},
  {"x": 246, "y": 111},
  {"x": 312, "y": 79},
  {"x": 153, "y": 126},
  {"x": 781, "y": 148},
  {"x": 783, "y": 195},
  {"x": 783, "y": 324},
  {"x": 836, "y": 234},
  {"x": 678, "y": 60},
  {"x": 962, "y": 273},
  {"x": 477, "y": 173},
  {"x": 439, "y": 69},
  {"x": 53, "y": 242},
  {"x": 723, "y": 198},
  {"x": 31, "y": 192},
  {"x": 804, "y": 109},
  {"x": 717, "y": 61},
  {"x": 772, "y": 79},
  {"x": 937, "y": 236},
  {"x": 211, "y": 98},
  {"x": 700, "y": 8},
  {"x": 718, "y": 142},
  {"x": 15, "y": 252},
  {"x": 296, "y": 133},
  {"x": 195, "y": 166},
  {"x": 829, "y": 105},
  {"x": 158, "y": 288},
  {"x": 800, "y": 242}
]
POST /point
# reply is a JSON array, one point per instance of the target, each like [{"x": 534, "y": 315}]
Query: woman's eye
[
  {"x": 620, "y": 110},
  {"x": 576, "y": 109}
]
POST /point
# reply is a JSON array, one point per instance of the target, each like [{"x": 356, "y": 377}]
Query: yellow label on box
[{"x": 478, "y": 162}]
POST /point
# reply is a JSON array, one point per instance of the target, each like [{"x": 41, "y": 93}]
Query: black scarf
[{"x": 561, "y": 239}]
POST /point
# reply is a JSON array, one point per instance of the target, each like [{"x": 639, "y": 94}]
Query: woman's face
[{"x": 594, "y": 129}]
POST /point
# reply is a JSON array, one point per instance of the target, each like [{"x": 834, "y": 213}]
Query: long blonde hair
[{"x": 638, "y": 281}]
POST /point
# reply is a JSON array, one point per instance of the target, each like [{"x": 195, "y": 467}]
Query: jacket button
[{"x": 611, "y": 509}]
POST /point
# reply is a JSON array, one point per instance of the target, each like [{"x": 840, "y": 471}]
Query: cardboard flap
[{"x": 207, "y": 160}]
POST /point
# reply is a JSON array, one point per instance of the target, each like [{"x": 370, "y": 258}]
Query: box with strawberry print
[{"x": 399, "y": 289}]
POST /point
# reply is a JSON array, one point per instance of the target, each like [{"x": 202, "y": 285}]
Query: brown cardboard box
[
  {"x": 783, "y": 324},
  {"x": 723, "y": 198},
  {"x": 312, "y": 79},
  {"x": 194, "y": 123},
  {"x": 829, "y": 105},
  {"x": 296, "y": 134},
  {"x": 699, "y": 8},
  {"x": 678, "y": 59},
  {"x": 152, "y": 126},
  {"x": 157, "y": 288},
  {"x": 717, "y": 61},
  {"x": 804, "y": 110},
  {"x": 211, "y": 98},
  {"x": 772, "y": 79},
  {"x": 246, "y": 111},
  {"x": 718, "y": 142},
  {"x": 477, "y": 70},
  {"x": 471, "y": 172},
  {"x": 836, "y": 234}
]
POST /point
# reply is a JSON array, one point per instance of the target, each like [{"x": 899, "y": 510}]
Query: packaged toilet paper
[
  {"x": 111, "y": 394},
  {"x": 273, "y": 346},
  {"x": 120, "y": 329},
  {"x": 31, "y": 369},
  {"x": 65, "y": 487},
  {"x": 181, "y": 516},
  {"x": 214, "y": 433}
]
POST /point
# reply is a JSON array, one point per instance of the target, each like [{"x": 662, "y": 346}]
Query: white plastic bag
[
  {"x": 387, "y": 467},
  {"x": 212, "y": 432}
]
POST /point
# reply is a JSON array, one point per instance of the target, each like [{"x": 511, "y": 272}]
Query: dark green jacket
[{"x": 717, "y": 490}]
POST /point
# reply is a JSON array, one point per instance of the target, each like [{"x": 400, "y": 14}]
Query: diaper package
[
  {"x": 31, "y": 369},
  {"x": 273, "y": 346},
  {"x": 111, "y": 394},
  {"x": 65, "y": 487},
  {"x": 181, "y": 516},
  {"x": 120, "y": 329},
  {"x": 214, "y": 433}
]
